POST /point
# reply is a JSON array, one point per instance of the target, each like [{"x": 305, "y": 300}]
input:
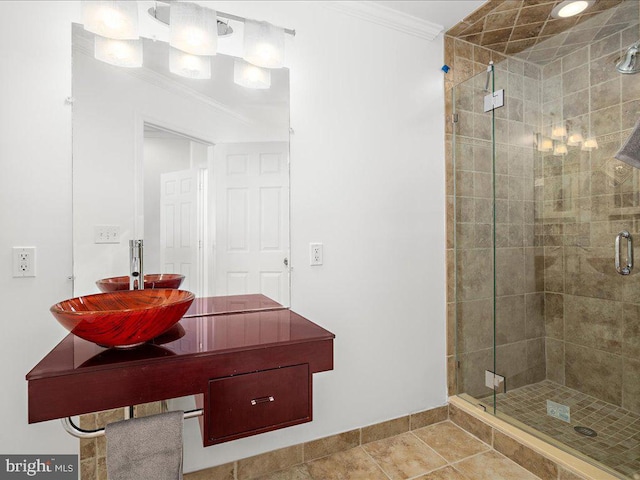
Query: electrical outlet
[
  {"x": 24, "y": 261},
  {"x": 315, "y": 254},
  {"x": 106, "y": 234}
]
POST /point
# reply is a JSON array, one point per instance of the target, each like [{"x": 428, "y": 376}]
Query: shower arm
[{"x": 489, "y": 70}]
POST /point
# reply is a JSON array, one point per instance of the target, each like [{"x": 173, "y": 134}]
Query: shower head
[{"x": 629, "y": 63}]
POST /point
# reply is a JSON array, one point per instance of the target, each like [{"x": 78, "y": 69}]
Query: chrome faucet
[{"x": 136, "y": 275}]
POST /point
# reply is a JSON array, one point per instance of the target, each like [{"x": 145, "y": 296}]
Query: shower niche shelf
[{"x": 247, "y": 360}]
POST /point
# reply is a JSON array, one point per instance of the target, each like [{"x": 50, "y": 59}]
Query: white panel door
[
  {"x": 178, "y": 226},
  {"x": 252, "y": 225}
]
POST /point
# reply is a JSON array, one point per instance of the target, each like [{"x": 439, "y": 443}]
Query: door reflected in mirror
[{"x": 198, "y": 169}]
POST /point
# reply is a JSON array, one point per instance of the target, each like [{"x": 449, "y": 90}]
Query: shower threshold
[{"x": 617, "y": 443}]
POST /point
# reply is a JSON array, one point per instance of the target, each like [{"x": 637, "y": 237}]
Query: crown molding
[{"x": 388, "y": 17}]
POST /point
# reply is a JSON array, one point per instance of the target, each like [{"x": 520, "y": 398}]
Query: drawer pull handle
[{"x": 256, "y": 401}]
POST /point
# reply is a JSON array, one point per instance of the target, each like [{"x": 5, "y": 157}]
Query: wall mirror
[{"x": 198, "y": 169}]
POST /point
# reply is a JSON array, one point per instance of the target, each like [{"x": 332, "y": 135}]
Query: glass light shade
[
  {"x": 121, "y": 53},
  {"x": 190, "y": 66},
  {"x": 545, "y": 144},
  {"x": 113, "y": 19},
  {"x": 250, "y": 76},
  {"x": 590, "y": 144},
  {"x": 570, "y": 8},
  {"x": 575, "y": 139},
  {"x": 560, "y": 149},
  {"x": 263, "y": 44},
  {"x": 558, "y": 132},
  {"x": 193, "y": 29}
]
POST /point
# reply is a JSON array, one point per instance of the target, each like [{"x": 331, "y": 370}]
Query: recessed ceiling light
[{"x": 569, "y": 8}]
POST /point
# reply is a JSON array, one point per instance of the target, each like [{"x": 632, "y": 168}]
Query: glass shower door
[{"x": 474, "y": 235}]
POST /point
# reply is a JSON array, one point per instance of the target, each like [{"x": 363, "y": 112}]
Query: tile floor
[
  {"x": 618, "y": 442},
  {"x": 442, "y": 451}
]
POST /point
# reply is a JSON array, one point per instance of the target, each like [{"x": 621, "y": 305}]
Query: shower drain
[{"x": 586, "y": 431}]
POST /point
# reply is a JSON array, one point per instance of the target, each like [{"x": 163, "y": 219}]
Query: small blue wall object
[{"x": 445, "y": 68}]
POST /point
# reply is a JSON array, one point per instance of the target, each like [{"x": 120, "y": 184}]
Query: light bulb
[
  {"x": 193, "y": 28},
  {"x": 250, "y": 76},
  {"x": 189, "y": 66},
  {"x": 590, "y": 144},
  {"x": 263, "y": 44},
  {"x": 560, "y": 149},
  {"x": 575, "y": 139},
  {"x": 121, "y": 53},
  {"x": 545, "y": 144},
  {"x": 111, "y": 19},
  {"x": 558, "y": 132}
]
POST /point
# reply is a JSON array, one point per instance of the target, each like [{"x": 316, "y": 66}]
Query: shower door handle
[{"x": 626, "y": 270}]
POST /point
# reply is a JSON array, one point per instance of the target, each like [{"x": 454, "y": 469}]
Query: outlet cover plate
[
  {"x": 315, "y": 254},
  {"x": 24, "y": 262}
]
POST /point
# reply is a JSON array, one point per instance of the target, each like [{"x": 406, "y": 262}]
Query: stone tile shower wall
[
  {"x": 519, "y": 334},
  {"x": 592, "y": 314}
]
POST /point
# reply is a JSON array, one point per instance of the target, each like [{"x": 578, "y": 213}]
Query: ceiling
[
  {"x": 527, "y": 28},
  {"x": 446, "y": 13}
]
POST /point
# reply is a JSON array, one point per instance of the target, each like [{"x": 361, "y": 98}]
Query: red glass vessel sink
[
  {"x": 123, "y": 319},
  {"x": 161, "y": 280}
]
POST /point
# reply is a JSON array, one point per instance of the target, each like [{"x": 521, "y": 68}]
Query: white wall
[
  {"x": 367, "y": 180},
  {"x": 35, "y": 206}
]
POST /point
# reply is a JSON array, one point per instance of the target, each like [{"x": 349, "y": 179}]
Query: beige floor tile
[
  {"x": 492, "y": 465},
  {"x": 446, "y": 473},
  {"x": 404, "y": 456},
  {"x": 352, "y": 464},
  {"x": 451, "y": 441},
  {"x": 299, "y": 472}
]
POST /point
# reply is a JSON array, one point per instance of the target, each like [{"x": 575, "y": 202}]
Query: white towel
[{"x": 147, "y": 448}]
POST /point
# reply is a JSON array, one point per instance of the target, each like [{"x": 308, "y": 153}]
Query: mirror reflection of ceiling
[
  {"x": 511, "y": 27},
  {"x": 248, "y": 105}
]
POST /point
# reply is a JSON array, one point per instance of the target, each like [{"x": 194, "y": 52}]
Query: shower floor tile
[{"x": 617, "y": 444}]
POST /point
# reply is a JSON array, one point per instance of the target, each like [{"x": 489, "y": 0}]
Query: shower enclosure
[{"x": 547, "y": 328}]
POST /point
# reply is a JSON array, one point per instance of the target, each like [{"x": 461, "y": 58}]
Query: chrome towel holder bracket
[{"x": 76, "y": 431}]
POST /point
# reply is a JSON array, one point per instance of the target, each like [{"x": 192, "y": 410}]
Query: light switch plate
[{"x": 106, "y": 234}]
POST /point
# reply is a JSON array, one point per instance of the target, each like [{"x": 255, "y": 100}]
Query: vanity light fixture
[
  {"x": 189, "y": 66},
  {"x": 248, "y": 75},
  {"x": 543, "y": 144},
  {"x": 121, "y": 53},
  {"x": 193, "y": 34},
  {"x": 112, "y": 19},
  {"x": 569, "y": 8},
  {"x": 558, "y": 132},
  {"x": 590, "y": 144},
  {"x": 574, "y": 139},
  {"x": 193, "y": 29},
  {"x": 559, "y": 149},
  {"x": 263, "y": 44}
]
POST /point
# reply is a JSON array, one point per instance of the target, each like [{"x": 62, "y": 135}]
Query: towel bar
[{"x": 78, "y": 432}]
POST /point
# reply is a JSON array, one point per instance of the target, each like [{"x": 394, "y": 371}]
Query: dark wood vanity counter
[
  {"x": 231, "y": 304},
  {"x": 231, "y": 350}
]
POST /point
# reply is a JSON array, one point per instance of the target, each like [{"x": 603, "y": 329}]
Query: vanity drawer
[{"x": 258, "y": 402}]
